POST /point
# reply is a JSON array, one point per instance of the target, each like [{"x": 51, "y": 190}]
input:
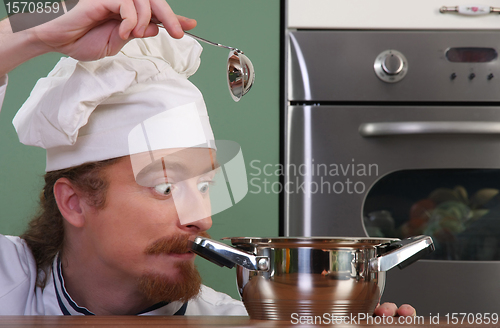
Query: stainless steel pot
[{"x": 277, "y": 277}]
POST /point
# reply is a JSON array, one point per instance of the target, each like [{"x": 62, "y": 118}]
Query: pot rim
[{"x": 316, "y": 242}]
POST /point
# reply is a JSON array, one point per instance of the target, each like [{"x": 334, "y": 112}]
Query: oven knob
[{"x": 391, "y": 66}]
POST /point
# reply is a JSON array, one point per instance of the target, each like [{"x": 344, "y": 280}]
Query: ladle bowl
[{"x": 240, "y": 72}]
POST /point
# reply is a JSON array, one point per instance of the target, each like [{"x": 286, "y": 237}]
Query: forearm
[
  {"x": 16, "y": 48},
  {"x": 89, "y": 31}
]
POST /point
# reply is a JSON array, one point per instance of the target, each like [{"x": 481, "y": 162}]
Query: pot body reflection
[
  {"x": 284, "y": 277},
  {"x": 310, "y": 281}
]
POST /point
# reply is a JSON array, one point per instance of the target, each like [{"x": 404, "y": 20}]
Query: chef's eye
[
  {"x": 164, "y": 189},
  {"x": 203, "y": 186}
]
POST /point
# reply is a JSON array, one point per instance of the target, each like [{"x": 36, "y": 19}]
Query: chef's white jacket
[
  {"x": 19, "y": 294},
  {"x": 3, "y": 86}
]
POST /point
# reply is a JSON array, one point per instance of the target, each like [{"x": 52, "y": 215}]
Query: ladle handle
[
  {"x": 202, "y": 39},
  {"x": 224, "y": 255},
  {"x": 403, "y": 253},
  {"x": 210, "y": 42}
]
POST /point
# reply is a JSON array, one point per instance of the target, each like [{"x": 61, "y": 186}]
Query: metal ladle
[{"x": 240, "y": 72}]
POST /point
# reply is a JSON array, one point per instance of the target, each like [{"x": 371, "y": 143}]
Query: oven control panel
[
  {"x": 401, "y": 65},
  {"x": 391, "y": 66}
]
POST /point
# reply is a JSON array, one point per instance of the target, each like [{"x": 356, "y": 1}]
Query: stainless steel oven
[{"x": 393, "y": 133}]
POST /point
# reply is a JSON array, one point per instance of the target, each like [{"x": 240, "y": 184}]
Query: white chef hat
[
  {"x": 89, "y": 111},
  {"x": 138, "y": 103}
]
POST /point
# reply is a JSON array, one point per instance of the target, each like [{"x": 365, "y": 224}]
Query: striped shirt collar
[{"x": 69, "y": 307}]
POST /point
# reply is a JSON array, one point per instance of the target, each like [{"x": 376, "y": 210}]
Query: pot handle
[
  {"x": 224, "y": 255},
  {"x": 402, "y": 253}
]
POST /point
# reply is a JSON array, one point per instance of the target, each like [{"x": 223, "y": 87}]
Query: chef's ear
[{"x": 69, "y": 202}]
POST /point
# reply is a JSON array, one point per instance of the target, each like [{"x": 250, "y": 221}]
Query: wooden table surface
[{"x": 191, "y": 321}]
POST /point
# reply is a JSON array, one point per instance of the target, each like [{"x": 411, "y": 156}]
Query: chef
[{"x": 109, "y": 238}]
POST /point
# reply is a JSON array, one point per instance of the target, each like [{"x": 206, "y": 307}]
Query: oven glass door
[
  {"x": 458, "y": 208},
  {"x": 353, "y": 170}
]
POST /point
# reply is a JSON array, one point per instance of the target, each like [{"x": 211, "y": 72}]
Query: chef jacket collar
[{"x": 69, "y": 307}]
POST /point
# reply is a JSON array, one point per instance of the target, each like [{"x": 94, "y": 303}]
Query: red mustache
[{"x": 176, "y": 244}]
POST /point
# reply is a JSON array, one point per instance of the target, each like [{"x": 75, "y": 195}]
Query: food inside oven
[{"x": 459, "y": 208}]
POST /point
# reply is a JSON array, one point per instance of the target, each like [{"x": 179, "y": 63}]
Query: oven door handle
[{"x": 380, "y": 129}]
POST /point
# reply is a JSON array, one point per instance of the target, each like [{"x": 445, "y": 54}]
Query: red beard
[{"x": 157, "y": 287}]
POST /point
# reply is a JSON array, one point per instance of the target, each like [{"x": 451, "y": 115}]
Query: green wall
[{"x": 252, "y": 26}]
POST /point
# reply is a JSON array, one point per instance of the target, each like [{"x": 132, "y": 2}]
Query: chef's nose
[
  {"x": 199, "y": 225},
  {"x": 193, "y": 207}
]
